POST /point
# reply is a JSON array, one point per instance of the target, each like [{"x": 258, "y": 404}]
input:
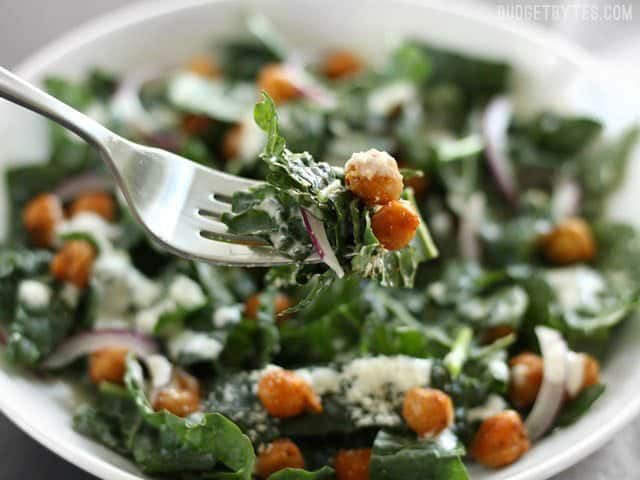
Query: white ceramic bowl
[{"x": 551, "y": 71}]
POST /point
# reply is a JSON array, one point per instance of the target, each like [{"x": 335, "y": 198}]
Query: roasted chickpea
[
  {"x": 74, "y": 262},
  {"x": 569, "y": 242},
  {"x": 181, "y": 397},
  {"x": 353, "y": 464},
  {"x": 374, "y": 177},
  {"x": 276, "y": 456},
  {"x": 427, "y": 411},
  {"x": 526, "y": 377},
  {"x": 277, "y": 82},
  {"x": 591, "y": 375},
  {"x": 281, "y": 303},
  {"x": 395, "y": 224},
  {"x": 108, "y": 365},
  {"x": 100, "y": 203},
  {"x": 232, "y": 141},
  {"x": 285, "y": 394},
  {"x": 204, "y": 66},
  {"x": 500, "y": 440},
  {"x": 341, "y": 64},
  {"x": 40, "y": 217}
]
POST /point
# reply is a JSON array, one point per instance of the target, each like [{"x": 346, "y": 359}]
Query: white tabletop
[{"x": 26, "y": 25}]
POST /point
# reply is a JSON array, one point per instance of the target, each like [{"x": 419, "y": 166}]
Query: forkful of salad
[{"x": 351, "y": 218}]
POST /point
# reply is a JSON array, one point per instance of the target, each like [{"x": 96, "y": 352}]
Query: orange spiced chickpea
[
  {"x": 181, "y": 397},
  {"x": 74, "y": 262},
  {"x": 352, "y": 464},
  {"x": 341, "y": 64},
  {"x": 395, "y": 224},
  {"x": 590, "y": 373},
  {"x": 374, "y": 177},
  {"x": 276, "y": 80},
  {"x": 427, "y": 411},
  {"x": 501, "y": 440},
  {"x": 276, "y": 456},
  {"x": 569, "y": 242},
  {"x": 281, "y": 303},
  {"x": 108, "y": 365},
  {"x": 526, "y": 378},
  {"x": 285, "y": 394},
  {"x": 100, "y": 203},
  {"x": 40, "y": 217}
]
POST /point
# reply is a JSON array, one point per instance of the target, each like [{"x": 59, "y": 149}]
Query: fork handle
[{"x": 19, "y": 91}]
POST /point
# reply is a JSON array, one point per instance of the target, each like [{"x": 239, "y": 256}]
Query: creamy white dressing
[
  {"x": 33, "y": 294},
  {"x": 575, "y": 286}
]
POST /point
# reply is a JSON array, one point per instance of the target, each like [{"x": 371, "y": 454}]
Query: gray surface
[{"x": 26, "y": 25}]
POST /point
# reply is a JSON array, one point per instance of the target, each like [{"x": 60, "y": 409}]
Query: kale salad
[{"x": 467, "y": 288}]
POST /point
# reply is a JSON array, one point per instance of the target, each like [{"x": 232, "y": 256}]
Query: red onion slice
[
  {"x": 80, "y": 184},
  {"x": 310, "y": 88},
  {"x": 495, "y": 123},
  {"x": 318, "y": 236},
  {"x": 565, "y": 201},
  {"x": 549, "y": 400},
  {"x": 88, "y": 342}
]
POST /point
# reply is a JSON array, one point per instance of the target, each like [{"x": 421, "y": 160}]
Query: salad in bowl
[{"x": 468, "y": 287}]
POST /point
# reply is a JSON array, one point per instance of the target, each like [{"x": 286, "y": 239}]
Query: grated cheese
[{"x": 373, "y": 163}]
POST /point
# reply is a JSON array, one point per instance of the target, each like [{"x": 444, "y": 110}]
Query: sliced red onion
[
  {"x": 471, "y": 219},
  {"x": 318, "y": 236},
  {"x": 88, "y": 342},
  {"x": 550, "y": 397},
  {"x": 565, "y": 201},
  {"x": 310, "y": 88},
  {"x": 86, "y": 183},
  {"x": 495, "y": 122}
]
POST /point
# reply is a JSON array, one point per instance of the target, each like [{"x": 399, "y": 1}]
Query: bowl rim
[{"x": 42, "y": 60}]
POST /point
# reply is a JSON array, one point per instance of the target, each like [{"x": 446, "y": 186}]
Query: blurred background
[{"x": 610, "y": 29}]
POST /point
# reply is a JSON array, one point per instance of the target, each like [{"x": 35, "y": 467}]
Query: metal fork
[{"x": 178, "y": 202}]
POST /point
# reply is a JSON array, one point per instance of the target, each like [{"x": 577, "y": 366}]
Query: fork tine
[
  {"x": 224, "y": 253},
  {"x": 219, "y": 183}
]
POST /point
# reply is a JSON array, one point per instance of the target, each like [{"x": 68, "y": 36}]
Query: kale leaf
[{"x": 401, "y": 455}]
